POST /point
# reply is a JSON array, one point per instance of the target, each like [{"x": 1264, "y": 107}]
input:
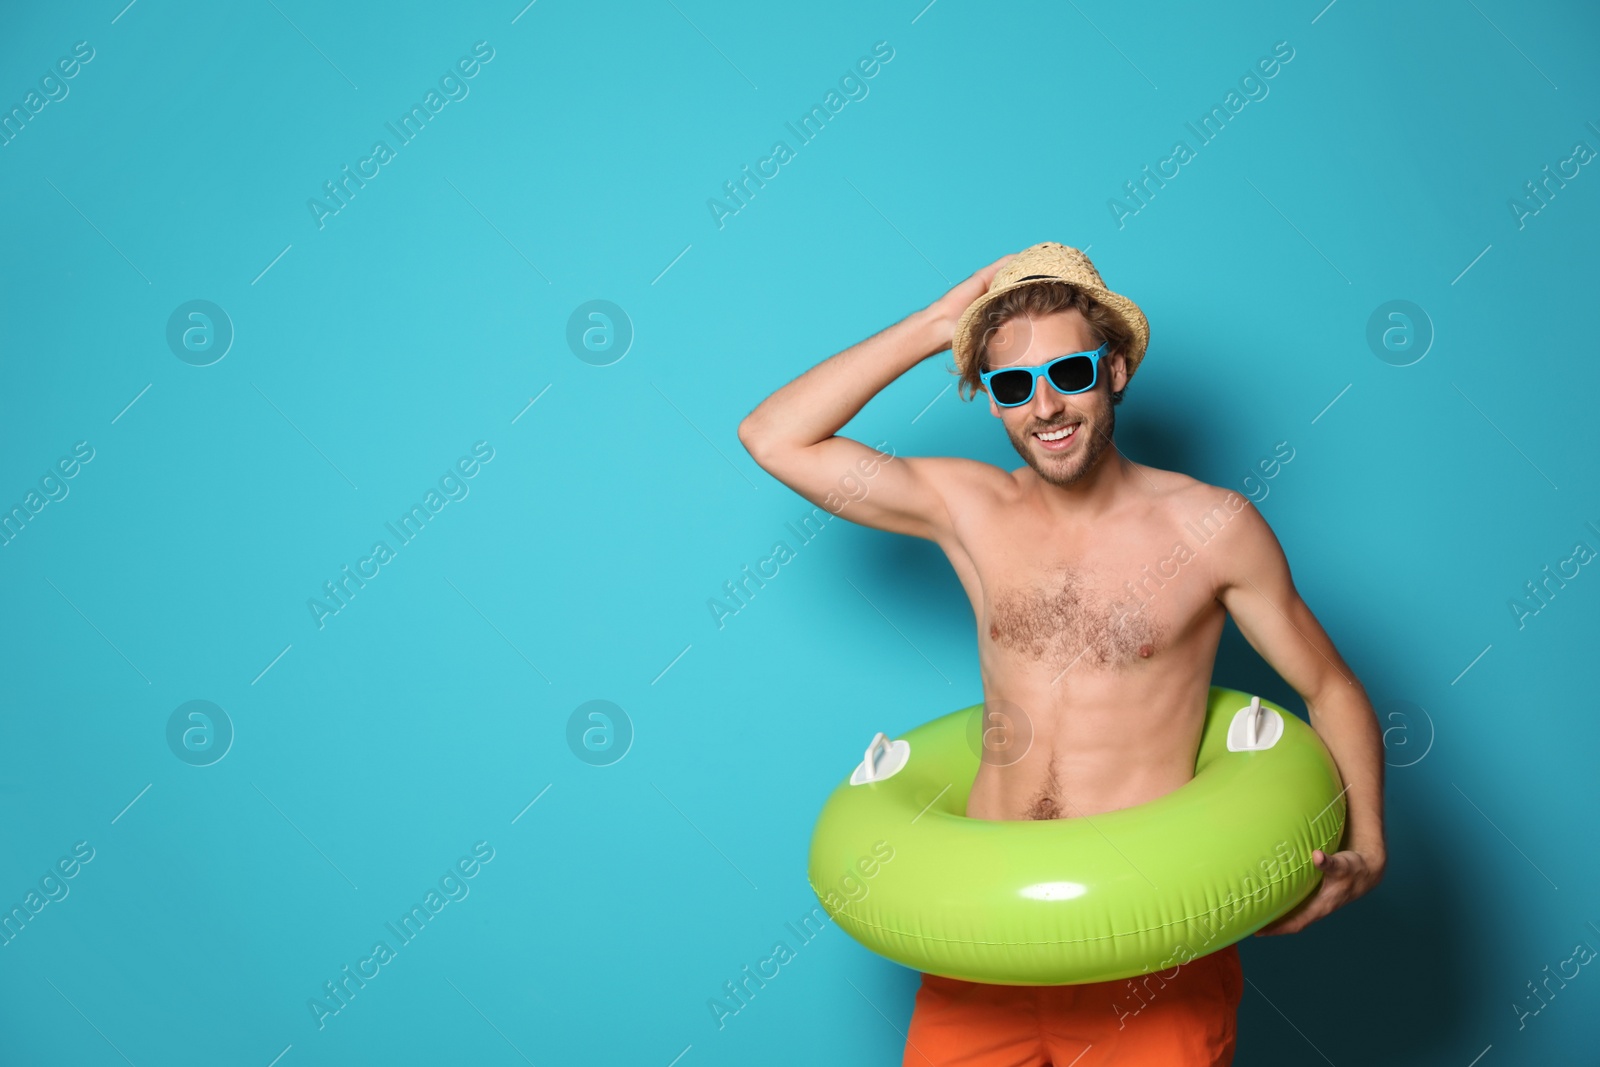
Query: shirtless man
[{"x": 1096, "y": 636}]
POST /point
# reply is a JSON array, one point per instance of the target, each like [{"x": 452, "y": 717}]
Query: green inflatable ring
[{"x": 898, "y": 865}]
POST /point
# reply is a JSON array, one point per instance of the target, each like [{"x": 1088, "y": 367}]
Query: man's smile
[{"x": 1059, "y": 438}]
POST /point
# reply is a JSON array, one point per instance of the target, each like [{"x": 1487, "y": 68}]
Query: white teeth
[{"x": 1056, "y": 435}]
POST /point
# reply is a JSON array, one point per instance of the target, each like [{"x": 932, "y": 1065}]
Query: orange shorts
[{"x": 1186, "y": 1019}]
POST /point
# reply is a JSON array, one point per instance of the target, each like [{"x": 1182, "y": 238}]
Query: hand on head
[{"x": 948, "y": 308}]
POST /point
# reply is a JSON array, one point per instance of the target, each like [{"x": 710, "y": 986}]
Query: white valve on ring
[
  {"x": 876, "y": 768},
  {"x": 1255, "y": 728}
]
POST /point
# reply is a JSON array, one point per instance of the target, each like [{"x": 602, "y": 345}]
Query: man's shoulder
[
  {"x": 1174, "y": 487},
  {"x": 1189, "y": 491},
  {"x": 1196, "y": 505}
]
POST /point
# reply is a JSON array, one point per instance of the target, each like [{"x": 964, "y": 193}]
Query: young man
[{"x": 1098, "y": 617}]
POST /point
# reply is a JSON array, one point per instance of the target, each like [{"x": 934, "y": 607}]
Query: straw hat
[{"x": 1048, "y": 261}]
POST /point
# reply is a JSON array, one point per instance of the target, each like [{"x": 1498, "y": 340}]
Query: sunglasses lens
[
  {"x": 1011, "y": 386},
  {"x": 1073, "y": 375}
]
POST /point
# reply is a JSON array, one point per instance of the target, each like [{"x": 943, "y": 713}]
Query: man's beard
[{"x": 1065, "y": 470}]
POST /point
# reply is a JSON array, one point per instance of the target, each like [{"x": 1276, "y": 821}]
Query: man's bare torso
[{"x": 1096, "y": 640}]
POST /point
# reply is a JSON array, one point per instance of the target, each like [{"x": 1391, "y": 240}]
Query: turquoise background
[{"x": 370, "y": 754}]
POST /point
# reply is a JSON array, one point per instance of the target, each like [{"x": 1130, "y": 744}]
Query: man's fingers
[
  {"x": 1277, "y": 928},
  {"x": 1283, "y": 923},
  {"x": 1338, "y": 868},
  {"x": 1272, "y": 929},
  {"x": 1336, "y": 864},
  {"x": 1303, "y": 914},
  {"x": 1302, "y": 917},
  {"x": 988, "y": 273},
  {"x": 1292, "y": 923}
]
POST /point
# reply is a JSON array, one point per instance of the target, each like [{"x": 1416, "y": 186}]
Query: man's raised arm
[{"x": 791, "y": 434}]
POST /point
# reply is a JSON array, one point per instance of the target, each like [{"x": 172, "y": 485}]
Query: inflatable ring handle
[
  {"x": 894, "y": 756},
  {"x": 1255, "y": 728},
  {"x": 879, "y": 740}
]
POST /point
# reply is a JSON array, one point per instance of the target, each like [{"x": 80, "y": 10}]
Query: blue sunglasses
[{"x": 1076, "y": 372}]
